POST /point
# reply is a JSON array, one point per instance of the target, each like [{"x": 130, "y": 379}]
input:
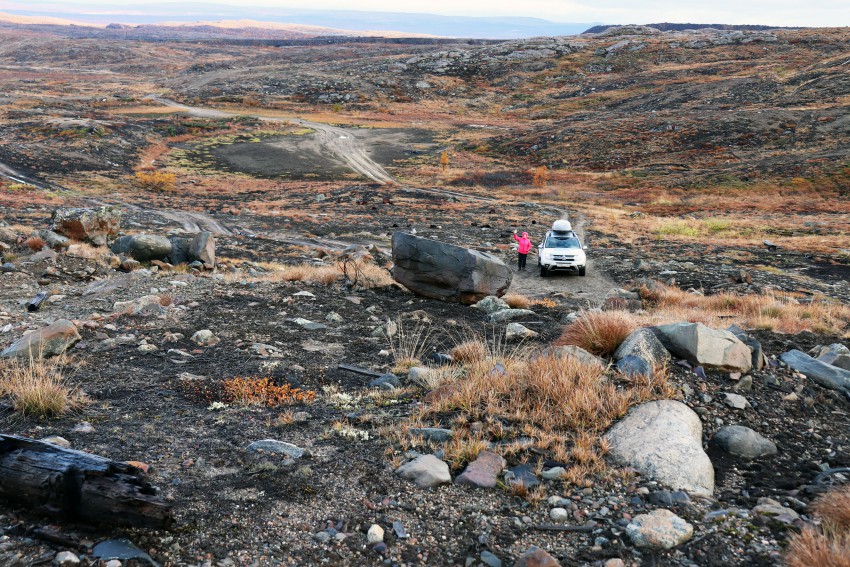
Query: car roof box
[{"x": 562, "y": 225}]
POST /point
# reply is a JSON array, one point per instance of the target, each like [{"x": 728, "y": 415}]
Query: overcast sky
[{"x": 769, "y": 12}]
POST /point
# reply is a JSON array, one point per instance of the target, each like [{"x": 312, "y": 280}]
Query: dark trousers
[{"x": 522, "y": 258}]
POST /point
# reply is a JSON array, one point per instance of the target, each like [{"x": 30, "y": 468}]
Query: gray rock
[
  {"x": 491, "y": 304},
  {"x": 821, "y": 373},
  {"x": 143, "y": 247},
  {"x": 7, "y": 268},
  {"x": 704, "y": 346},
  {"x": 555, "y": 473},
  {"x": 87, "y": 225},
  {"x": 743, "y": 442},
  {"x": 435, "y": 434},
  {"x": 202, "y": 249},
  {"x": 522, "y": 474},
  {"x": 489, "y": 559},
  {"x": 758, "y": 358},
  {"x": 145, "y": 305},
  {"x": 375, "y": 534},
  {"x": 52, "y": 239},
  {"x": 204, "y": 337},
  {"x": 321, "y": 537},
  {"x": 450, "y": 273},
  {"x": 276, "y": 447},
  {"x": 644, "y": 344},
  {"x": 419, "y": 375},
  {"x": 735, "y": 401},
  {"x": 483, "y": 472},
  {"x": 662, "y": 440},
  {"x": 66, "y": 559},
  {"x": 426, "y": 471},
  {"x": 179, "y": 249},
  {"x": 621, "y": 299},
  {"x": 660, "y": 529},
  {"x": 386, "y": 382},
  {"x": 510, "y": 315},
  {"x": 48, "y": 341},
  {"x": 775, "y": 511},
  {"x": 517, "y": 332},
  {"x": 633, "y": 366},
  {"x": 559, "y": 514}
]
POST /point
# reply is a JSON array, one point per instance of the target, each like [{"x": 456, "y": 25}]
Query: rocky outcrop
[
  {"x": 447, "y": 272},
  {"x": 663, "y": 441},
  {"x": 87, "y": 225},
  {"x": 704, "y": 346},
  {"x": 48, "y": 341}
]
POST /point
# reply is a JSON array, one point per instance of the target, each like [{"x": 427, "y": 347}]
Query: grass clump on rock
[{"x": 599, "y": 332}]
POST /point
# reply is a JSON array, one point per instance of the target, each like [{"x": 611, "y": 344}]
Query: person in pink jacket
[{"x": 523, "y": 249}]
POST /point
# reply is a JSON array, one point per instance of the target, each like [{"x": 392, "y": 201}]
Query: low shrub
[
  {"x": 599, "y": 332},
  {"x": 37, "y": 387}
]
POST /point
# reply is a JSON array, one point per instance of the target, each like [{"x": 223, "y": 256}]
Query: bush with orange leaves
[
  {"x": 262, "y": 391},
  {"x": 155, "y": 180},
  {"x": 829, "y": 544}
]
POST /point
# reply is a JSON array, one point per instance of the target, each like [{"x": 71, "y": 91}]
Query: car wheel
[
  {"x": 543, "y": 271},
  {"x": 581, "y": 270}
]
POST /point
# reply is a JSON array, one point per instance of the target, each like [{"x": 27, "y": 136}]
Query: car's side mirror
[{"x": 584, "y": 246}]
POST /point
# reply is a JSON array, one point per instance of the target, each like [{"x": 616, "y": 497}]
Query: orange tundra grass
[{"x": 263, "y": 391}]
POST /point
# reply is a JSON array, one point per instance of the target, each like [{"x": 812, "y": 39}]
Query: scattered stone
[
  {"x": 386, "y": 382},
  {"x": 399, "y": 530},
  {"x": 491, "y": 304},
  {"x": 447, "y": 272},
  {"x": 701, "y": 345},
  {"x": 660, "y": 529},
  {"x": 663, "y": 441},
  {"x": 510, "y": 314},
  {"x": 66, "y": 558},
  {"x": 536, "y": 557},
  {"x": 375, "y": 534},
  {"x": 489, "y": 559},
  {"x": 52, "y": 239},
  {"x": 205, "y": 337},
  {"x": 419, "y": 375},
  {"x": 775, "y": 511},
  {"x": 667, "y": 498},
  {"x": 144, "y": 306},
  {"x": 426, "y": 471},
  {"x": 517, "y": 332},
  {"x": 743, "y": 442},
  {"x": 321, "y": 537},
  {"x": 522, "y": 474},
  {"x": 821, "y": 373},
  {"x": 334, "y": 317},
  {"x": 309, "y": 325},
  {"x": 555, "y": 473},
  {"x": 758, "y": 357},
  {"x": 621, "y": 299},
  {"x": 48, "y": 341},
  {"x": 735, "y": 401},
  {"x": 83, "y": 427},
  {"x": 559, "y": 515},
  {"x": 483, "y": 472},
  {"x": 277, "y": 447},
  {"x": 435, "y": 434}
]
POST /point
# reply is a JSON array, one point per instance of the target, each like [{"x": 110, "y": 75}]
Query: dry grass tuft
[
  {"x": 470, "y": 351},
  {"x": 409, "y": 344},
  {"x": 35, "y": 243},
  {"x": 834, "y": 508},
  {"x": 37, "y": 387},
  {"x": 830, "y": 543},
  {"x": 599, "y": 332},
  {"x": 517, "y": 301},
  {"x": 813, "y": 548},
  {"x": 771, "y": 311}
]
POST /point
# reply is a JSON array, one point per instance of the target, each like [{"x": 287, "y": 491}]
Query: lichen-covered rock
[
  {"x": 87, "y": 225},
  {"x": 48, "y": 341}
]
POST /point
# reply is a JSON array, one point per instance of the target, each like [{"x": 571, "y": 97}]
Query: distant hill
[
  {"x": 667, "y": 26},
  {"x": 353, "y": 22}
]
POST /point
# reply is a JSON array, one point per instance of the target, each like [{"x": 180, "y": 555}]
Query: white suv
[{"x": 561, "y": 250}]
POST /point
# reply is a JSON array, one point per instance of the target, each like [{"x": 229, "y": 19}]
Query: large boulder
[
  {"x": 662, "y": 440},
  {"x": 819, "y": 372},
  {"x": 643, "y": 343},
  {"x": 87, "y": 225},
  {"x": 48, "y": 341},
  {"x": 711, "y": 348},
  {"x": 143, "y": 247},
  {"x": 447, "y": 272},
  {"x": 186, "y": 249}
]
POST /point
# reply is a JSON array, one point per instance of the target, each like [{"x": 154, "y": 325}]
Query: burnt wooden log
[{"x": 78, "y": 486}]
